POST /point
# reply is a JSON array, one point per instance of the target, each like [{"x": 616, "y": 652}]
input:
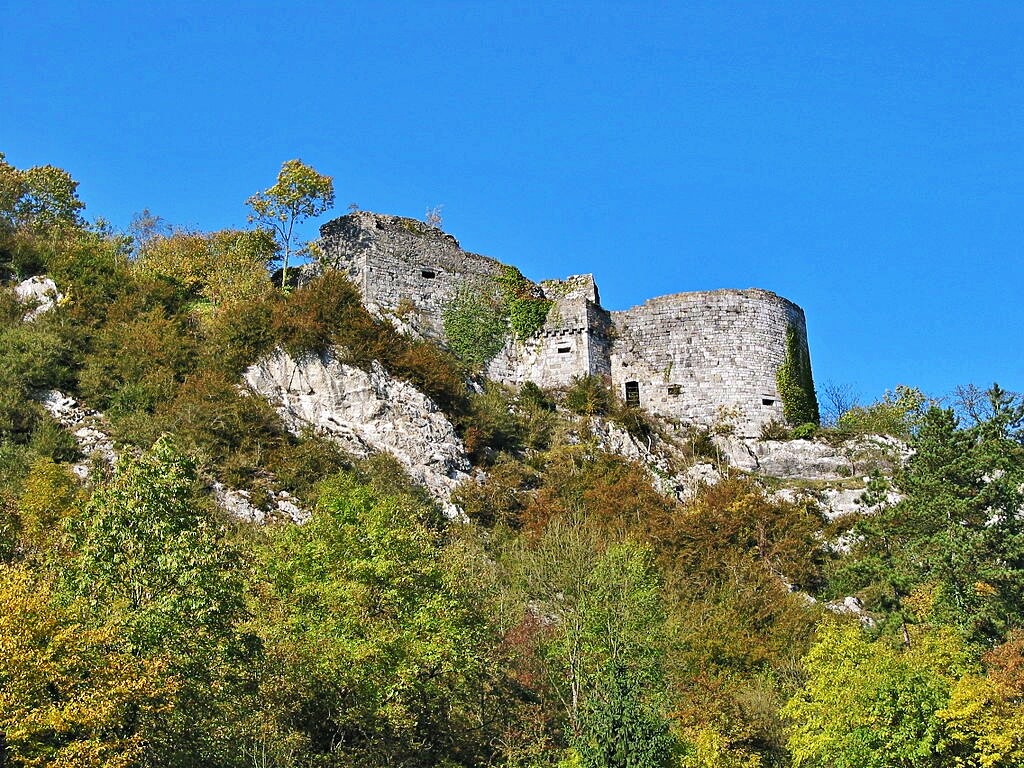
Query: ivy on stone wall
[
  {"x": 795, "y": 383},
  {"x": 478, "y": 320},
  {"x": 526, "y": 310},
  {"x": 475, "y": 324}
]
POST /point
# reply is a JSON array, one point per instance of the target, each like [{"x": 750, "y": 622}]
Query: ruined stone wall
[
  {"x": 403, "y": 265},
  {"x": 569, "y": 344},
  {"x": 702, "y": 358},
  {"x": 706, "y": 357}
]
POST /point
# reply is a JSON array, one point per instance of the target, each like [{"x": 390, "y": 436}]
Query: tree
[
  {"x": 70, "y": 694},
  {"x": 39, "y": 197},
  {"x": 300, "y": 193},
  {"x": 373, "y": 648},
  {"x": 952, "y": 549},
  {"x": 149, "y": 551},
  {"x": 874, "y": 705}
]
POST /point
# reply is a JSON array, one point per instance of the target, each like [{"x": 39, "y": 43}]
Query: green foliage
[
  {"x": 869, "y": 705},
  {"x": 953, "y": 541},
  {"x": 478, "y": 319},
  {"x": 795, "y": 383},
  {"x": 475, "y": 324},
  {"x": 898, "y": 413},
  {"x": 527, "y": 311},
  {"x": 38, "y": 198},
  {"x": 70, "y": 695},
  {"x": 299, "y": 193},
  {"x": 155, "y": 558},
  {"x": 589, "y": 396},
  {"x": 371, "y": 641},
  {"x": 619, "y": 730},
  {"x": 220, "y": 269},
  {"x": 805, "y": 431}
]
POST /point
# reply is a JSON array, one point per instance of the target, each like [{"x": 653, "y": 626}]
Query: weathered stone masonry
[{"x": 703, "y": 357}]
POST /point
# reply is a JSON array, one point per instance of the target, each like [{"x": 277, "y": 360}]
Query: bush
[
  {"x": 589, "y": 396},
  {"x": 775, "y": 430},
  {"x": 316, "y": 314},
  {"x": 432, "y": 370},
  {"x": 805, "y": 431},
  {"x": 211, "y": 416}
]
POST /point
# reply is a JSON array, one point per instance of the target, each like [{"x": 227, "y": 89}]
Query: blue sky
[{"x": 865, "y": 160}]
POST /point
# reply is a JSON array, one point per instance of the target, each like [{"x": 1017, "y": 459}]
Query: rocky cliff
[{"x": 365, "y": 411}]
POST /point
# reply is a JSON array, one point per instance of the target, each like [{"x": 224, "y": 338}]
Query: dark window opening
[
  {"x": 563, "y": 350},
  {"x": 428, "y": 273},
  {"x": 767, "y": 401},
  {"x": 632, "y": 394},
  {"x": 675, "y": 390}
]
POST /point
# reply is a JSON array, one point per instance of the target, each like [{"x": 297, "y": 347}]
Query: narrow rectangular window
[
  {"x": 767, "y": 401},
  {"x": 563, "y": 350},
  {"x": 632, "y": 394},
  {"x": 428, "y": 273},
  {"x": 675, "y": 390}
]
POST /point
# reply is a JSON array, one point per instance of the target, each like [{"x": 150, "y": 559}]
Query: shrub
[
  {"x": 805, "y": 431},
  {"x": 211, "y": 416},
  {"x": 589, "y": 396},
  {"x": 315, "y": 314},
  {"x": 898, "y": 413},
  {"x": 490, "y": 424},
  {"x": 775, "y": 430},
  {"x": 239, "y": 335},
  {"x": 432, "y": 370}
]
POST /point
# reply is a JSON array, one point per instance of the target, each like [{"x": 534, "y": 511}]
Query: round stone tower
[{"x": 708, "y": 357}]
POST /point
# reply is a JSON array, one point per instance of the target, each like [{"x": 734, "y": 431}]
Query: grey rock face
[
  {"x": 366, "y": 412},
  {"x": 39, "y": 291},
  {"x": 812, "y": 459},
  {"x": 84, "y": 424}
]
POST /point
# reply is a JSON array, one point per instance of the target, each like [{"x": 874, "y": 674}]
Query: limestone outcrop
[
  {"x": 40, "y": 292},
  {"x": 365, "y": 411},
  {"x": 88, "y": 428}
]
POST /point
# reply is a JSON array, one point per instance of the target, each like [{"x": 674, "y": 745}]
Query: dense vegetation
[{"x": 580, "y": 617}]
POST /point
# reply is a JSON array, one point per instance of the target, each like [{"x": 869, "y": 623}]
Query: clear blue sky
[{"x": 865, "y": 160}]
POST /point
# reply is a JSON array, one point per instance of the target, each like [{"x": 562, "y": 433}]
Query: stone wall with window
[
  {"x": 403, "y": 266},
  {"x": 700, "y": 358},
  {"x": 706, "y": 357}
]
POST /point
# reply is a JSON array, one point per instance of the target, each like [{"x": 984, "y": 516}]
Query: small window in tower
[
  {"x": 767, "y": 401},
  {"x": 563, "y": 350},
  {"x": 632, "y": 394},
  {"x": 675, "y": 390},
  {"x": 428, "y": 273}
]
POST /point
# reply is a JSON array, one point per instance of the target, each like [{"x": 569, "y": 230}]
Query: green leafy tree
[
  {"x": 300, "y": 193},
  {"x": 604, "y": 645},
  {"x": 954, "y": 542},
  {"x": 374, "y": 651},
  {"x": 155, "y": 563},
  {"x": 70, "y": 694},
  {"x": 898, "y": 413},
  {"x": 150, "y": 552},
  {"x": 873, "y": 705},
  {"x": 40, "y": 197}
]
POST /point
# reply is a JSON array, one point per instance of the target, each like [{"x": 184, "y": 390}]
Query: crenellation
[{"x": 706, "y": 357}]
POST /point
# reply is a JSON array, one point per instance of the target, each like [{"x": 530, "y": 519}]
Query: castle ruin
[{"x": 702, "y": 357}]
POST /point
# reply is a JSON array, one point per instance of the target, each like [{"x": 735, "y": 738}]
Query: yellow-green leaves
[{"x": 299, "y": 194}]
